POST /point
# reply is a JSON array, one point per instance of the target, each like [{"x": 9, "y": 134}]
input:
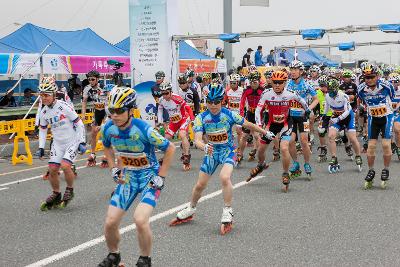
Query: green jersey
[{"x": 321, "y": 100}]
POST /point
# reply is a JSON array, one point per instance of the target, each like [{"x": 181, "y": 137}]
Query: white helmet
[
  {"x": 296, "y": 64},
  {"x": 315, "y": 68},
  {"x": 48, "y": 85}
]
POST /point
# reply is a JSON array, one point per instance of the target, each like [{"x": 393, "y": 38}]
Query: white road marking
[
  {"x": 4, "y": 188},
  {"x": 126, "y": 229}
]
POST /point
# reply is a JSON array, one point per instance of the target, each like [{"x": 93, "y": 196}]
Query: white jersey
[
  {"x": 98, "y": 96},
  {"x": 340, "y": 105},
  {"x": 61, "y": 118},
  {"x": 175, "y": 108},
  {"x": 233, "y": 99}
]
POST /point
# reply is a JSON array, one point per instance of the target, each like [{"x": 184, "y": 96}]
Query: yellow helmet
[{"x": 122, "y": 97}]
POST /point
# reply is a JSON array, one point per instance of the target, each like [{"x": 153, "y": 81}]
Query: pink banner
[{"x": 82, "y": 64}]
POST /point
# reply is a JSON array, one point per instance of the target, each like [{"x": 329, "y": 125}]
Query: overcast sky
[{"x": 109, "y": 18}]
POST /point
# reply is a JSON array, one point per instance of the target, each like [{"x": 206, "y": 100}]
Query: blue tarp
[
  {"x": 323, "y": 59},
  {"x": 33, "y": 39},
  {"x": 312, "y": 34},
  {"x": 8, "y": 49},
  {"x": 346, "y": 46},
  {"x": 230, "y": 37},
  {"x": 389, "y": 27},
  {"x": 185, "y": 50},
  {"x": 308, "y": 58}
]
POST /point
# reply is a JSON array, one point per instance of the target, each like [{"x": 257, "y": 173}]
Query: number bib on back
[
  {"x": 134, "y": 161},
  {"x": 99, "y": 105},
  {"x": 378, "y": 111},
  {"x": 218, "y": 137},
  {"x": 234, "y": 105}
]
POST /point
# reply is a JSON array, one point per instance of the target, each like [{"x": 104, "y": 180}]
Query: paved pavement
[{"x": 330, "y": 221}]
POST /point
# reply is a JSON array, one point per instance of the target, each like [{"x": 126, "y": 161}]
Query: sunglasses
[
  {"x": 92, "y": 79},
  {"x": 165, "y": 93},
  {"x": 159, "y": 78},
  {"x": 254, "y": 81},
  {"x": 278, "y": 82},
  {"x": 369, "y": 77},
  {"x": 182, "y": 83},
  {"x": 117, "y": 111},
  {"x": 233, "y": 82},
  {"x": 215, "y": 102}
]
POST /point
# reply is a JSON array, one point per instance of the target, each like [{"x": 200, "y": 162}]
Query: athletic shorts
[
  {"x": 280, "y": 128},
  {"x": 63, "y": 152},
  {"x": 138, "y": 182},
  {"x": 380, "y": 125},
  {"x": 219, "y": 157},
  {"x": 349, "y": 123},
  {"x": 99, "y": 116},
  {"x": 251, "y": 116},
  {"x": 397, "y": 117},
  {"x": 298, "y": 124},
  {"x": 182, "y": 125},
  {"x": 324, "y": 123}
]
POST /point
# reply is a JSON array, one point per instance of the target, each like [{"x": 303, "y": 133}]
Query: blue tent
[
  {"x": 323, "y": 59},
  {"x": 8, "y": 49},
  {"x": 185, "y": 50},
  {"x": 302, "y": 55},
  {"x": 33, "y": 39}
]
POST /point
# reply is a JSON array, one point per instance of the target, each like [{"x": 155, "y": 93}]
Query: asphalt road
[{"x": 329, "y": 221}]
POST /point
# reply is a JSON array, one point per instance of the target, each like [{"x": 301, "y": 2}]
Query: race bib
[
  {"x": 134, "y": 161},
  {"x": 295, "y": 104},
  {"x": 219, "y": 137},
  {"x": 279, "y": 118},
  {"x": 234, "y": 105},
  {"x": 337, "y": 113},
  {"x": 98, "y": 105},
  {"x": 306, "y": 126},
  {"x": 378, "y": 111},
  {"x": 175, "y": 118}
]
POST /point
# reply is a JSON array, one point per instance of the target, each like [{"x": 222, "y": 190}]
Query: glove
[
  {"x": 41, "y": 152},
  {"x": 82, "y": 148},
  {"x": 334, "y": 120},
  {"x": 208, "y": 148},
  {"x": 116, "y": 174},
  {"x": 269, "y": 136},
  {"x": 307, "y": 114},
  {"x": 157, "y": 182}
]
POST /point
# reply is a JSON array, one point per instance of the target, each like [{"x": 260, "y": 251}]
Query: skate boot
[
  {"x": 73, "y": 168},
  {"x": 104, "y": 163},
  {"x": 144, "y": 262},
  {"x": 285, "y": 182},
  {"x": 349, "y": 152},
  {"x": 359, "y": 163},
  {"x": 183, "y": 216},
  {"x": 308, "y": 170},
  {"x": 393, "y": 147},
  {"x": 365, "y": 144},
  {"x": 226, "y": 220},
  {"x": 384, "y": 178},
  {"x": 91, "y": 161},
  {"x": 298, "y": 148},
  {"x": 68, "y": 196},
  {"x": 295, "y": 170},
  {"x": 53, "y": 201},
  {"x": 252, "y": 154},
  {"x": 322, "y": 154},
  {"x": 112, "y": 260},
  {"x": 338, "y": 141},
  {"x": 239, "y": 158},
  {"x": 276, "y": 155},
  {"x": 186, "y": 162},
  {"x": 257, "y": 170},
  {"x": 334, "y": 166},
  {"x": 398, "y": 152},
  {"x": 369, "y": 179}
]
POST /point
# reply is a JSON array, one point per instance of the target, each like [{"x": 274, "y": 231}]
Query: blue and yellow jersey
[
  {"x": 135, "y": 145},
  {"x": 379, "y": 100},
  {"x": 303, "y": 89},
  {"x": 218, "y": 128}
]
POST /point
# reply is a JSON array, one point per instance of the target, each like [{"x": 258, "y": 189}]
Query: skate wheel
[
  {"x": 43, "y": 207},
  {"x": 359, "y": 168},
  {"x": 226, "y": 228},
  {"x": 383, "y": 184},
  {"x": 63, "y": 205},
  {"x": 177, "y": 221},
  {"x": 368, "y": 185},
  {"x": 352, "y": 158},
  {"x": 186, "y": 167},
  {"x": 121, "y": 265}
]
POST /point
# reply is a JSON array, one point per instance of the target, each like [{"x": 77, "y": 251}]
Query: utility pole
[{"x": 227, "y": 7}]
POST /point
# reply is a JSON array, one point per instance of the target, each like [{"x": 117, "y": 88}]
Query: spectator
[
  {"x": 28, "y": 98},
  {"x": 8, "y": 100},
  {"x": 74, "y": 83},
  {"x": 258, "y": 57},
  {"x": 282, "y": 58},
  {"x": 219, "y": 53},
  {"x": 270, "y": 58},
  {"x": 246, "y": 58}
]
